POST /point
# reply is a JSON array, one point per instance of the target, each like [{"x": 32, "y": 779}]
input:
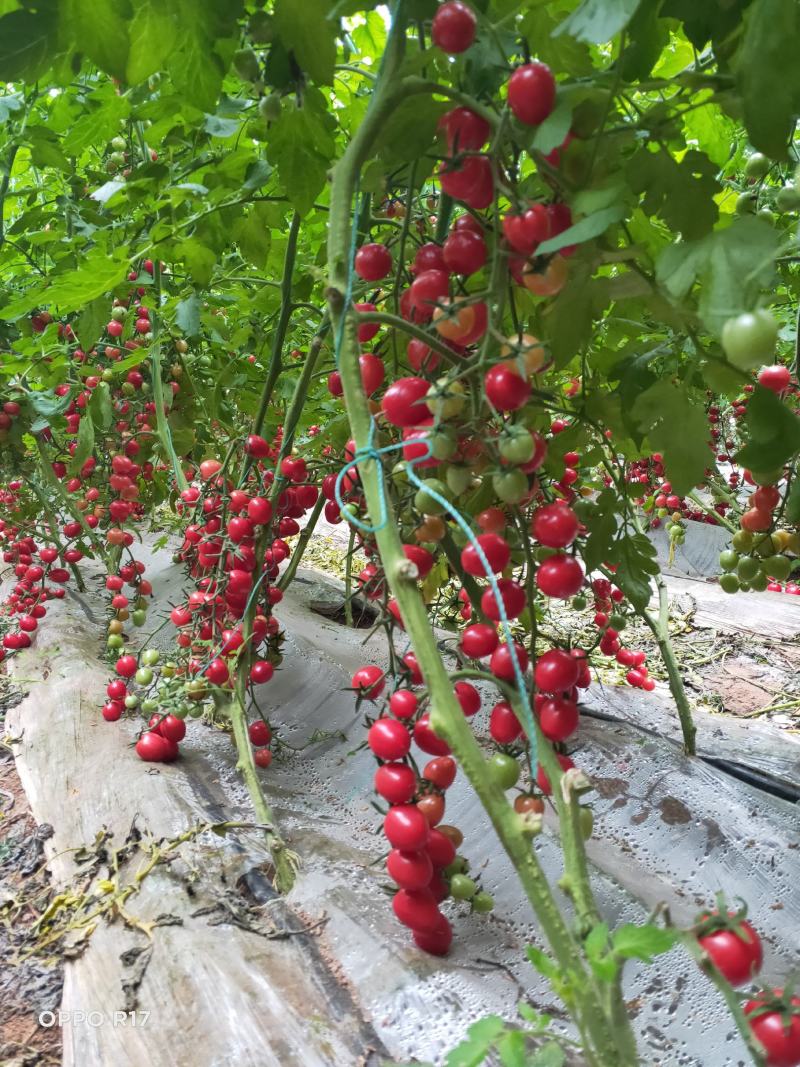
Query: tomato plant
[{"x": 568, "y": 237}]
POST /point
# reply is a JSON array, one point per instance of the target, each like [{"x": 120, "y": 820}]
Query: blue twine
[{"x": 369, "y": 452}]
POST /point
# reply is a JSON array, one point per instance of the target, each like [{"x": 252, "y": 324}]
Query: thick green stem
[
  {"x": 660, "y": 628},
  {"x": 285, "y": 867},
  {"x": 447, "y": 718},
  {"x": 348, "y": 579},
  {"x": 286, "y": 578},
  {"x": 279, "y": 337}
]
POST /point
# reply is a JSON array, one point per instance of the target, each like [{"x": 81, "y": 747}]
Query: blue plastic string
[{"x": 369, "y": 452}]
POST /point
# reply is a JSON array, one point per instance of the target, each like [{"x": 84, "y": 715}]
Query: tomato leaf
[
  {"x": 99, "y": 406},
  {"x": 635, "y": 559},
  {"x": 773, "y": 432},
  {"x": 153, "y": 33},
  {"x": 642, "y": 942},
  {"x": 306, "y": 31},
  {"x": 792, "y": 511},
  {"x": 90, "y": 324},
  {"x": 676, "y": 426},
  {"x": 85, "y": 445},
  {"x": 98, "y": 32},
  {"x": 26, "y": 43},
  {"x": 767, "y": 74},
  {"x": 301, "y": 146},
  {"x": 187, "y": 315},
  {"x": 592, "y": 226},
  {"x": 549, "y": 1055},
  {"x": 597, "y": 21},
  {"x": 481, "y": 1036}
]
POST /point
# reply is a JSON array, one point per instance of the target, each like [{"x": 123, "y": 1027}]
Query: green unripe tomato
[
  {"x": 745, "y": 587},
  {"x": 180, "y": 712},
  {"x": 510, "y": 486},
  {"x": 759, "y": 582},
  {"x": 459, "y": 866},
  {"x": 617, "y": 621},
  {"x": 107, "y": 375},
  {"x": 131, "y": 701},
  {"x": 195, "y": 711},
  {"x": 777, "y": 567},
  {"x": 767, "y": 477},
  {"x": 745, "y": 203},
  {"x": 729, "y": 583},
  {"x": 742, "y": 540},
  {"x": 675, "y": 532},
  {"x": 400, "y": 472},
  {"x": 458, "y": 479},
  {"x": 446, "y": 399},
  {"x": 269, "y": 107},
  {"x": 425, "y": 503},
  {"x": 462, "y": 887},
  {"x": 728, "y": 559},
  {"x": 483, "y": 902},
  {"x": 749, "y": 339},
  {"x": 579, "y": 603},
  {"x": 115, "y": 641},
  {"x": 764, "y": 547},
  {"x": 150, "y": 657},
  {"x": 118, "y": 314},
  {"x": 245, "y": 63},
  {"x": 756, "y": 166},
  {"x": 443, "y": 444},
  {"x": 516, "y": 445},
  {"x": 127, "y": 389},
  {"x": 261, "y": 27},
  {"x": 169, "y": 669},
  {"x": 765, "y": 214},
  {"x": 149, "y": 706},
  {"x": 504, "y": 769},
  {"x": 139, "y": 617},
  {"x": 662, "y": 512},
  {"x": 788, "y": 198},
  {"x": 143, "y": 676},
  {"x": 747, "y": 568}
]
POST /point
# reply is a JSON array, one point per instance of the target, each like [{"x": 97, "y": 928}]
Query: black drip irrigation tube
[{"x": 776, "y": 788}]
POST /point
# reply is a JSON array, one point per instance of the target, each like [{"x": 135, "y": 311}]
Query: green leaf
[
  {"x": 187, "y": 315},
  {"x": 682, "y": 193},
  {"x": 97, "y": 274},
  {"x": 592, "y": 226},
  {"x": 408, "y": 132},
  {"x": 792, "y": 511},
  {"x": 153, "y": 33},
  {"x": 480, "y": 1037},
  {"x": 635, "y": 559},
  {"x": 199, "y": 259},
  {"x": 741, "y": 263},
  {"x": 597, "y": 21},
  {"x": 90, "y": 324},
  {"x": 220, "y": 127},
  {"x": 98, "y": 32},
  {"x": 47, "y": 404},
  {"x": 252, "y": 231},
  {"x": 677, "y": 427},
  {"x": 306, "y": 31},
  {"x": 549, "y": 1055},
  {"x": 26, "y": 41},
  {"x": 643, "y": 942},
  {"x": 85, "y": 445},
  {"x": 100, "y": 406},
  {"x": 551, "y": 133},
  {"x": 773, "y": 432},
  {"x": 596, "y": 941},
  {"x": 542, "y": 962},
  {"x": 511, "y": 1049},
  {"x": 100, "y": 121},
  {"x": 195, "y": 68},
  {"x": 768, "y": 76},
  {"x": 301, "y": 147}
]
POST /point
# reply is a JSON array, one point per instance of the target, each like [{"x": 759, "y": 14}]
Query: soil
[{"x": 29, "y": 984}]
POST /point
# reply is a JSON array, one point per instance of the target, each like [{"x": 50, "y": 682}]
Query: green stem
[
  {"x": 397, "y": 323},
  {"x": 659, "y": 626},
  {"x": 348, "y": 579},
  {"x": 286, "y": 578},
  {"x": 285, "y": 869}
]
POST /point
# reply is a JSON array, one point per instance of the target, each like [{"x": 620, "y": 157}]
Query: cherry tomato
[
  {"x": 453, "y": 27},
  {"x": 373, "y": 262},
  {"x": 389, "y": 739},
  {"x": 736, "y": 953},
  {"x": 406, "y": 827},
  {"x": 532, "y": 93}
]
